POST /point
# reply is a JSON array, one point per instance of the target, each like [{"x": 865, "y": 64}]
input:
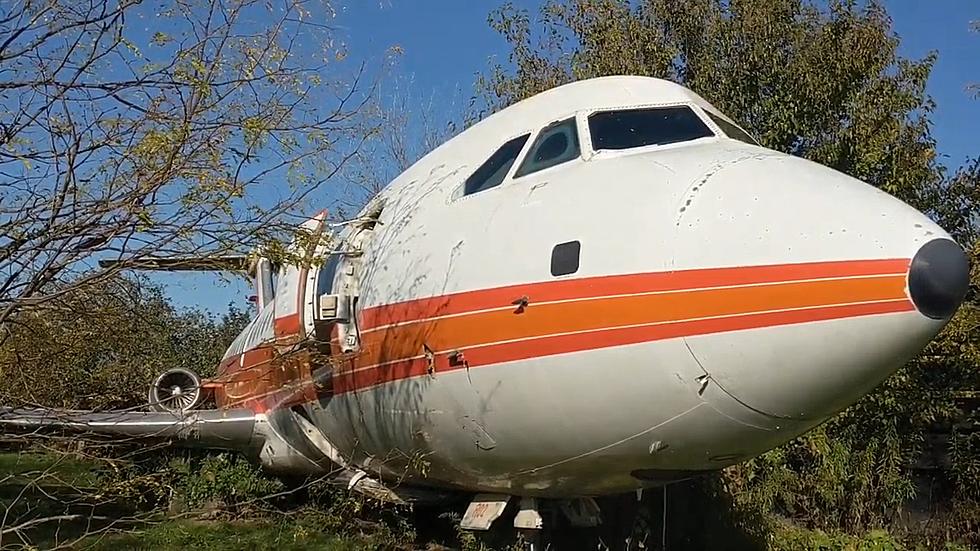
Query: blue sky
[{"x": 445, "y": 43}]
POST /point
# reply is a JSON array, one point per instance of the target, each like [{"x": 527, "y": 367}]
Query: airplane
[{"x": 606, "y": 287}]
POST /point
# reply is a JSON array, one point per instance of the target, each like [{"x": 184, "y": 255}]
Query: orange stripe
[
  {"x": 244, "y": 375},
  {"x": 572, "y": 315},
  {"x": 622, "y": 284},
  {"x": 561, "y": 344},
  {"x": 264, "y": 377},
  {"x": 399, "y": 342}
]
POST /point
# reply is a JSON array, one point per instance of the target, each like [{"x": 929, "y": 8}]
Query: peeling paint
[{"x": 430, "y": 359}]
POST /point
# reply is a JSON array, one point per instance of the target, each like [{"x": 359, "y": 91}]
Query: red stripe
[
  {"x": 288, "y": 325},
  {"x": 298, "y": 392},
  {"x": 563, "y": 344},
  {"x": 622, "y": 284}
]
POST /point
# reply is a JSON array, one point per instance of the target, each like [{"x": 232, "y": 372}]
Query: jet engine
[{"x": 175, "y": 390}]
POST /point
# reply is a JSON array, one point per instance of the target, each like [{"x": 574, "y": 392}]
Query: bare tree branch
[{"x": 205, "y": 137}]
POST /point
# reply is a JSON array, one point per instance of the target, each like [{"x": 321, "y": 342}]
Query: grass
[
  {"x": 36, "y": 485},
  {"x": 20, "y": 468},
  {"x": 286, "y": 535},
  {"x": 39, "y": 485}
]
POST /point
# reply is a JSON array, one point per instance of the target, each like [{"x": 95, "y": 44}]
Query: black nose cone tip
[{"x": 938, "y": 278}]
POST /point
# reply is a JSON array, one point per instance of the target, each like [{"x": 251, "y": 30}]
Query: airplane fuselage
[{"x": 621, "y": 319}]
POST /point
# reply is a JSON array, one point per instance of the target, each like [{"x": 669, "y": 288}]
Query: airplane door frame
[{"x": 338, "y": 305}]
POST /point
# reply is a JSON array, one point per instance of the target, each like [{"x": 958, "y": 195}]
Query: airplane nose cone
[
  {"x": 938, "y": 278},
  {"x": 907, "y": 278}
]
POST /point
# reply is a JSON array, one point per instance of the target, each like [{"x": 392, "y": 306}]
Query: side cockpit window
[
  {"x": 629, "y": 128},
  {"x": 492, "y": 172},
  {"x": 556, "y": 144},
  {"x": 731, "y": 130}
]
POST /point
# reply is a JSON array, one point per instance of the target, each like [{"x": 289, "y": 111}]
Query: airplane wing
[
  {"x": 231, "y": 263},
  {"x": 231, "y": 429}
]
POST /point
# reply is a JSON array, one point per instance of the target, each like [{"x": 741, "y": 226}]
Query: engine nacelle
[{"x": 175, "y": 390}]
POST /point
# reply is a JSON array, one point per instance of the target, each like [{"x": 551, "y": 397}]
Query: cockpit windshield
[
  {"x": 629, "y": 128},
  {"x": 731, "y": 130}
]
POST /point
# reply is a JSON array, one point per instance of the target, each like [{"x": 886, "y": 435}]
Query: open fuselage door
[
  {"x": 275, "y": 370},
  {"x": 296, "y": 283},
  {"x": 338, "y": 284},
  {"x": 295, "y": 302}
]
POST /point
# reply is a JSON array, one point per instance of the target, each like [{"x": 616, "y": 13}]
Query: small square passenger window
[{"x": 565, "y": 257}]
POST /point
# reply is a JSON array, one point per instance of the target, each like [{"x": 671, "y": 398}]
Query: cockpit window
[
  {"x": 492, "y": 172},
  {"x": 639, "y": 127},
  {"x": 731, "y": 130},
  {"x": 555, "y": 144}
]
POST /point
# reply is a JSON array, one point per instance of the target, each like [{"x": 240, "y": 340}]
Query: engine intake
[{"x": 175, "y": 390}]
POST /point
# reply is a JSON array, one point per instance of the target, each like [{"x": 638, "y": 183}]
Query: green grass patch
[
  {"x": 159, "y": 503},
  {"x": 227, "y": 535},
  {"x": 791, "y": 538},
  {"x": 48, "y": 469}
]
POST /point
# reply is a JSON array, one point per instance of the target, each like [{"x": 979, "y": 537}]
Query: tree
[
  {"x": 826, "y": 85},
  {"x": 103, "y": 346},
  {"x": 131, "y": 130},
  {"x": 822, "y": 81}
]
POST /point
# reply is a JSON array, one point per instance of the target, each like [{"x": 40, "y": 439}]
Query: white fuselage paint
[{"x": 582, "y": 423}]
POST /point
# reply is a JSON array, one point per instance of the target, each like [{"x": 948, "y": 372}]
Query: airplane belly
[
  {"x": 810, "y": 371},
  {"x": 598, "y": 421}
]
